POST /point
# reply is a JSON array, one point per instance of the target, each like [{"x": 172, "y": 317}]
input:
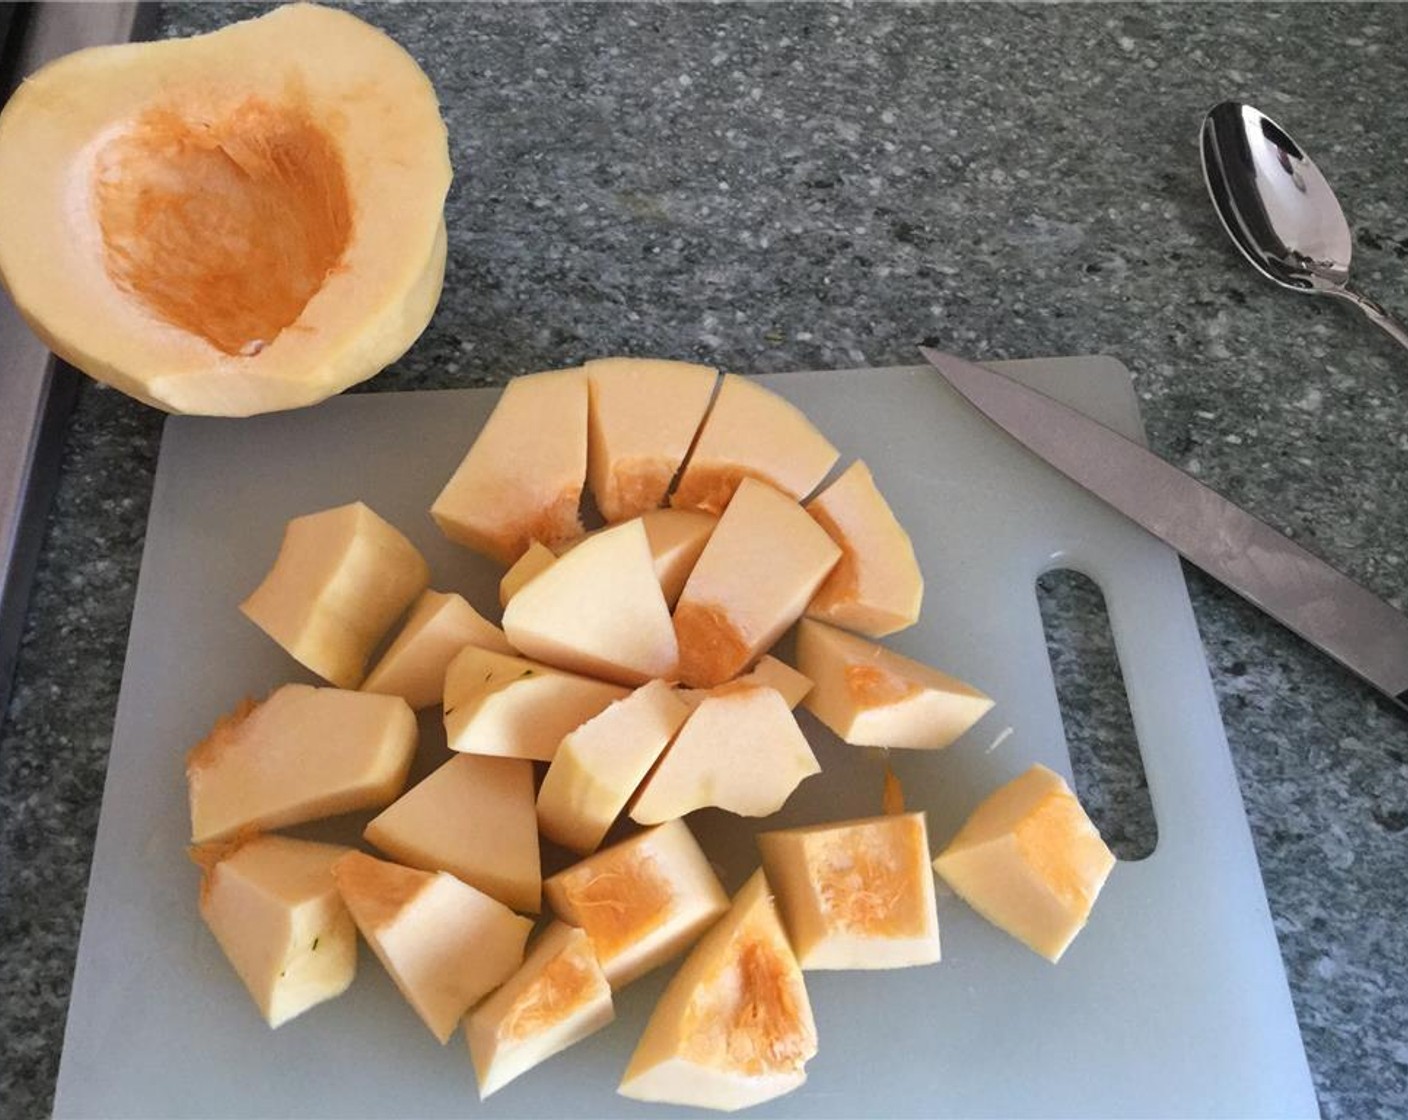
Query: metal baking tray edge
[{"x": 37, "y": 391}]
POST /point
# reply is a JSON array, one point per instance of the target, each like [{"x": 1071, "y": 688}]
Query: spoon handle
[{"x": 1376, "y": 314}]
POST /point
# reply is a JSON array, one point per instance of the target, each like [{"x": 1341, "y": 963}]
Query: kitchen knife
[{"x": 1299, "y": 590}]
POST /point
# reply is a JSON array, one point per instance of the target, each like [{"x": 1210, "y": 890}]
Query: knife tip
[{"x": 939, "y": 359}]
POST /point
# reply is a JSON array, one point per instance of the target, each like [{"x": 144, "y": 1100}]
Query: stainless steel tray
[{"x": 36, "y": 390}]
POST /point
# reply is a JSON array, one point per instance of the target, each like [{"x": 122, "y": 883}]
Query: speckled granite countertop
[{"x": 795, "y": 187}]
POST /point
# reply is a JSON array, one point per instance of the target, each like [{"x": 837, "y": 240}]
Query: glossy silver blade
[{"x": 1299, "y": 590}]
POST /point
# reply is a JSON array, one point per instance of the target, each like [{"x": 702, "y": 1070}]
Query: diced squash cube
[
  {"x": 273, "y": 906},
  {"x": 445, "y": 944},
  {"x": 734, "y": 1028},
  {"x": 598, "y": 610},
  {"x": 757, "y": 574},
  {"x": 751, "y": 432},
  {"x": 439, "y": 626},
  {"x": 642, "y": 901},
  {"x": 303, "y": 754},
  {"x": 515, "y": 707},
  {"x": 740, "y": 750},
  {"x": 522, "y": 478},
  {"x": 1029, "y": 860},
  {"x": 857, "y": 894},
  {"x": 643, "y": 417},
  {"x": 873, "y": 697},
  {"x": 600, "y": 765},
  {"x": 877, "y": 587},
  {"x": 472, "y": 817},
  {"x": 559, "y": 997},
  {"x": 341, "y": 578}
]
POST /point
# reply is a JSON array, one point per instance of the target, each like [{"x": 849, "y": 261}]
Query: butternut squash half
[{"x": 238, "y": 222}]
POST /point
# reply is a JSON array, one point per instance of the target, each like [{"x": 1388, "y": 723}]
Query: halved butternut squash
[{"x": 232, "y": 223}]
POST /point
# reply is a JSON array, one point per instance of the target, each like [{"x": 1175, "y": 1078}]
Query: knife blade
[{"x": 1295, "y": 587}]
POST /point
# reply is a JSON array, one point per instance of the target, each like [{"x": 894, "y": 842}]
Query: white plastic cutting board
[{"x": 1173, "y": 1002}]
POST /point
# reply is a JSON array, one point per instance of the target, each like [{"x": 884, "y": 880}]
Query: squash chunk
[
  {"x": 341, "y": 578},
  {"x": 644, "y": 414},
  {"x": 873, "y": 697},
  {"x": 751, "y": 432},
  {"x": 754, "y": 579},
  {"x": 858, "y": 894},
  {"x": 439, "y": 626},
  {"x": 445, "y": 944},
  {"x": 272, "y": 905},
  {"x": 877, "y": 587},
  {"x": 472, "y": 817},
  {"x": 303, "y": 754},
  {"x": 521, "y": 480},
  {"x": 641, "y": 901},
  {"x": 734, "y": 1028},
  {"x": 557, "y": 998},
  {"x": 1030, "y": 861}
]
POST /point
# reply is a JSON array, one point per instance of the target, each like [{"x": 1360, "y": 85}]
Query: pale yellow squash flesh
[
  {"x": 303, "y": 754},
  {"x": 740, "y": 750},
  {"x": 538, "y": 558},
  {"x": 521, "y": 479},
  {"x": 231, "y": 223},
  {"x": 642, "y": 901},
  {"x": 598, "y": 610},
  {"x": 272, "y": 905},
  {"x": 515, "y": 707},
  {"x": 473, "y": 817},
  {"x": 445, "y": 944},
  {"x": 769, "y": 672},
  {"x": 342, "y": 577},
  {"x": 876, "y": 588},
  {"x": 1030, "y": 861},
  {"x": 599, "y": 765},
  {"x": 755, "y": 577},
  {"x": 735, "y": 1027},
  {"x": 873, "y": 697},
  {"x": 439, "y": 626},
  {"x": 559, "y": 997},
  {"x": 644, "y": 415},
  {"x": 677, "y": 538},
  {"x": 856, "y": 894},
  {"x": 751, "y": 432}
]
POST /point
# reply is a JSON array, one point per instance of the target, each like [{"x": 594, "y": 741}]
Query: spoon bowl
[{"x": 1278, "y": 209}]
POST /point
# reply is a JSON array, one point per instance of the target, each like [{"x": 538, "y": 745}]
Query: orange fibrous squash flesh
[
  {"x": 564, "y": 985},
  {"x": 620, "y": 903},
  {"x": 749, "y": 1021},
  {"x": 868, "y": 887},
  {"x": 224, "y": 224}
]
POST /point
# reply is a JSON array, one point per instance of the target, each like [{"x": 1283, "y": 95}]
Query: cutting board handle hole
[{"x": 1100, "y": 735}]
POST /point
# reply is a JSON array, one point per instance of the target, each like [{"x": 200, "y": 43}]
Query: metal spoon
[{"x": 1279, "y": 210}]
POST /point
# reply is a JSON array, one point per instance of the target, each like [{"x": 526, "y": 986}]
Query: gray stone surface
[{"x": 789, "y": 187}]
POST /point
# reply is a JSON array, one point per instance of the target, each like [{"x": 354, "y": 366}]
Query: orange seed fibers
[
  {"x": 223, "y": 224},
  {"x": 874, "y": 687},
  {"x": 563, "y": 986},
  {"x": 712, "y": 650},
  {"x": 619, "y": 903},
  {"x": 748, "y": 1020}
]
